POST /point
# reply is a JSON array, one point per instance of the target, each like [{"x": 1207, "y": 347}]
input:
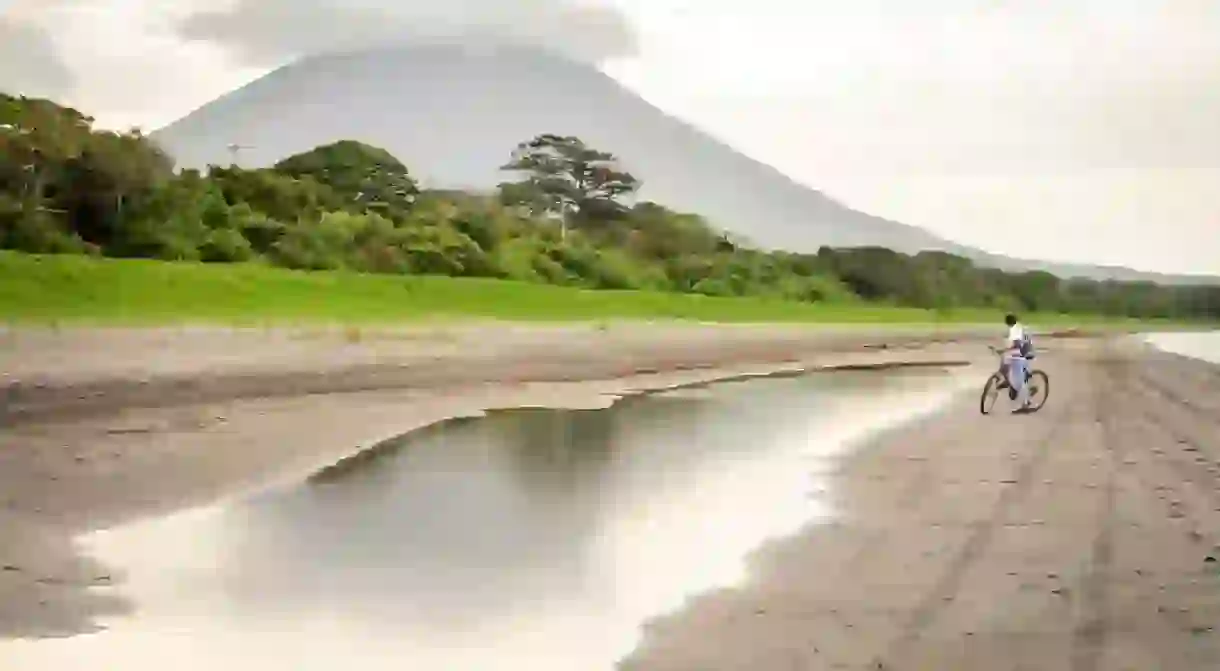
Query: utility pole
[
  {"x": 567, "y": 208},
  {"x": 235, "y": 150}
]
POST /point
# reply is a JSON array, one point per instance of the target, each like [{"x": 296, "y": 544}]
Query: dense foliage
[{"x": 568, "y": 217}]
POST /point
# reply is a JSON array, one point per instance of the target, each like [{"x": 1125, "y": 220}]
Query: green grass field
[{"x": 77, "y": 289}]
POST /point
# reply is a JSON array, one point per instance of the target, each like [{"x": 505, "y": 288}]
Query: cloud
[
  {"x": 1063, "y": 129},
  {"x": 911, "y": 88},
  {"x": 268, "y": 32},
  {"x": 29, "y": 63},
  {"x": 121, "y": 61}
]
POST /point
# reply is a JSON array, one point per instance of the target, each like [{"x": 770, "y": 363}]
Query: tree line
[{"x": 566, "y": 214}]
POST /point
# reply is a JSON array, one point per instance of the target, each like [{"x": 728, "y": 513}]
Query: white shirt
[{"x": 1016, "y": 336}]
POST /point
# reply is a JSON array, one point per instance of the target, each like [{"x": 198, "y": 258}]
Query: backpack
[{"x": 1027, "y": 347}]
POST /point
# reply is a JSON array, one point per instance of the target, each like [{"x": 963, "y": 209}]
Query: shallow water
[
  {"x": 528, "y": 539},
  {"x": 1197, "y": 345}
]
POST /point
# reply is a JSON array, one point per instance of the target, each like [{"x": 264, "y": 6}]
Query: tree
[
  {"x": 279, "y": 196},
  {"x": 37, "y": 137},
  {"x": 111, "y": 172},
  {"x": 1038, "y": 291},
  {"x": 655, "y": 232},
  {"x": 370, "y": 177},
  {"x": 568, "y": 179}
]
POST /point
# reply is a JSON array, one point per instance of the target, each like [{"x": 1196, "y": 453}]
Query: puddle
[{"x": 527, "y": 539}]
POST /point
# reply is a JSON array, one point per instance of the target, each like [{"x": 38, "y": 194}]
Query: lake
[{"x": 1203, "y": 345}]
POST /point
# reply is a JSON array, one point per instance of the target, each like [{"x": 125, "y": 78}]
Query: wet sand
[{"x": 1084, "y": 537}]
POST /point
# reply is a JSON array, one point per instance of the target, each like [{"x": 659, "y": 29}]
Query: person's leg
[
  {"x": 1006, "y": 372},
  {"x": 1020, "y": 369},
  {"x": 1012, "y": 372}
]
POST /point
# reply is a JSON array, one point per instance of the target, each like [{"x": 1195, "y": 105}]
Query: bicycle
[{"x": 1037, "y": 381}]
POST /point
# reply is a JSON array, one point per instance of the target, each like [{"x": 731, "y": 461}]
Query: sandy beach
[
  {"x": 1085, "y": 537},
  {"x": 1067, "y": 539}
]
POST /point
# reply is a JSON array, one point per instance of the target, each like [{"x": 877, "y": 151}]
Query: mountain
[{"x": 453, "y": 113}]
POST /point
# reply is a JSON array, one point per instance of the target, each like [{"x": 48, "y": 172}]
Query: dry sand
[{"x": 1067, "y": 539}]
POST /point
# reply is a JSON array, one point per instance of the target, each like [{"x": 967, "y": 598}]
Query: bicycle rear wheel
[
  {"x": 1039, "y": 389},
  {"x": 991, "y": 392}
]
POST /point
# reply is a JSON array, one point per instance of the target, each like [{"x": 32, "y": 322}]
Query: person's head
[{"x": 1011, "y": 320}]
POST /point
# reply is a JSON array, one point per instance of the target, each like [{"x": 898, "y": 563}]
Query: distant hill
[{"x": 454, "y": 113}]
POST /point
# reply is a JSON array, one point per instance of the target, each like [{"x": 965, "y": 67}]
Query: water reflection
[
  {"x": 458, "y": 523},
  {"x": 542, "y": 538},
  {"x": 1197, "y": 345}
]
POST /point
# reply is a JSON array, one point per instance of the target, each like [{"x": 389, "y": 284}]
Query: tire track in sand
[{"x": 983, "y": 531}]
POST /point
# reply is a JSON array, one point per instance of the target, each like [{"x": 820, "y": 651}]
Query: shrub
[{"x": 226, "y": 246}]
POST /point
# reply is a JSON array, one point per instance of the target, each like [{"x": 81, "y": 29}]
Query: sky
[{"x": 1069, "y": 130}]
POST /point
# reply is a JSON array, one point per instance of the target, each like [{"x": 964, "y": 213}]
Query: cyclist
[{"x": 1018, "y": 350}]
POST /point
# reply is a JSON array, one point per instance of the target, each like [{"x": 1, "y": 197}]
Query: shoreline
[
  {"x": 1182, "y": 344},
  {"x": 70, "y": 473},
  {"x": 354, "y": 423}
]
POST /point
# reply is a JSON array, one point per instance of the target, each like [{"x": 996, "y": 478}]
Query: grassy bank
[{"x": 75, "y": 289}]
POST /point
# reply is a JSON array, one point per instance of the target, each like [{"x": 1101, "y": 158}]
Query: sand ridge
[{"x": 58, "y": 374}]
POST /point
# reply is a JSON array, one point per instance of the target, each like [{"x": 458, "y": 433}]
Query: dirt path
[{"x": 1083, "y": 538}]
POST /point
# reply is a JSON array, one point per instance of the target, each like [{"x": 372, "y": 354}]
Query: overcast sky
[{"x": 1073, "y": 130}]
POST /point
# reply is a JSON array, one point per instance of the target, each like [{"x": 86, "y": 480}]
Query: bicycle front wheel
[
  {"x": 1039, "y": 390},
  {"x": 991, "y": 392}
]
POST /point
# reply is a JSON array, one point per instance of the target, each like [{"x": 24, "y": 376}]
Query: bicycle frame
[{"x": 1002, "y": 371}]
